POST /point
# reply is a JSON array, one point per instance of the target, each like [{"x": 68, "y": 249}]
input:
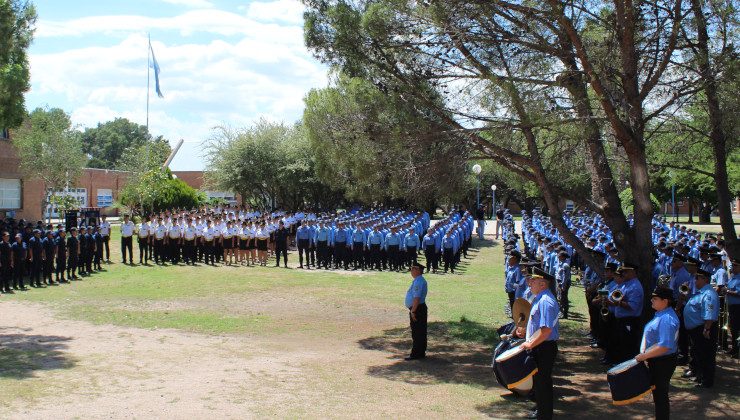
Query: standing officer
[
  {"x": 188, "y": 244},
  {"x": 429, "y": 243},
  {"x": 449, "y": 248},
  {"x": 411, "y": 244},
  {"x": 61, "y": 256},
  {"x": 127, "y": 232},
  {"x": 104, "y": 230},
  {"x": 340, "y": 238},
  {"x": 160, "y": 242},
  {"x": 627, "y": 314},
  {"x": 376, "y": 242},
  {"x": 281, "y": 244},
  {"x": 416, "y": 304},
  {"x": 19, "y": 255},
  {"x": 733, "y": 307},
  {"x": 541, "y": 341},
  {"x": 73, "y": 254},
  {"x": 143, "y": 239},
  {"x": 359, "y": 240},
  {"x": 562, "y": 275},
  {"x": 36, "y": 251},
  {"x": 513, "y": 275},
  {"x": 49, "y": 246},
  {"x": 322, "y": 239},
  {"x": 700, "y": 316},
  {"x": 99, "y": 245},
  {"x": 392, "y": 246},
  {"x": 303, "y": 240},
  {"x": 6, "y": 256},
  {"x": 659, "y": 348},
  {"x": 91, "y": 250}
]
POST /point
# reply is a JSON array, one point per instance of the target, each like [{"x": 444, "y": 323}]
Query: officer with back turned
[{"x": 700, "y": 316}]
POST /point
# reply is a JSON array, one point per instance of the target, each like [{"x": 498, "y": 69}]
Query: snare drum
[
  {"x": 629, "y": 381},
  {"x": 516, "y": 369}
]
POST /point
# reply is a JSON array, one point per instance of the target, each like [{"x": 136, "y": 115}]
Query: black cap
[
  {"x": 611, "y": 266},
  {"x": 680, "y": 257},
  {"x": 516, "y": 254},
  {"x": 663, "y": 293},
  {"x": 703, "y": 273},
  {"x": 537, "y": 272}
]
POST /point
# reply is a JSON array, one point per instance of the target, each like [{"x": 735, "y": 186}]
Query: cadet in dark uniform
[
  {"x": 700, "y": 316},
  {"x": 416, "y": 303},
  {"x": 49, "y": 246},
  {"x": 99, "y": 241},
  {"x": 281, "y": 244},
  {"x": 20, "y": 255},
  {"x": 91, "y": 249},
  {"x": 542, "y": 342},
  {"x": 36, "y": 250},
  {"x": 6, "y": 256},
  {"x": 61, "y": 256},
  {"x": 73, "y": 254},
  {"x": 659, "y": 348}
]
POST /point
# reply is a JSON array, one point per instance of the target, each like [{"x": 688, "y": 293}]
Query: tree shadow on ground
[
  {"x": 21, "y": 355},
  {"x": 458, "y": 352}
]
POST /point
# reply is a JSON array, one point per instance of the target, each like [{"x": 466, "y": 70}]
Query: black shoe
[
  {"x": 531, "y": 415},
  {"x": 688, "y": 374},
  {"x": 413, "y": 358}
]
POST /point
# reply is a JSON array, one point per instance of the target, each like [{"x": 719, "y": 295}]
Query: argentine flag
[{"x": 153, "y": 64}]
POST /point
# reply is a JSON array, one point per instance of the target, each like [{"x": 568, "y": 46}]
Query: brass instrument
[
  {"x": 684, "y": 289},
  {"x": 604, "y": 292},
  {"x": 616, "y": 295}
]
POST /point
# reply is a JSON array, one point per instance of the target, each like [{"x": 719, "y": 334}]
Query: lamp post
[
  {"x": 476, "y": 171},
  {"x": 493, "y": 201}
]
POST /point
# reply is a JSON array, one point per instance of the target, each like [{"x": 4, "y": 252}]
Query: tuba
[
  {"x": 616, "y": 295},
  {"x": 684, "y": 289}
]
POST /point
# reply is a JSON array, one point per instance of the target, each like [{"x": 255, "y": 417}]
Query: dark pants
[
  {"x": 393, "y": 257},
  {"x": 278, "y": 251},
  {"x": 209, "y": 252},
  {"x": 661, "y": 371},
  {"x": 106, "y": 245},
  {"x": 358, "y": 251},
  {"x": 312, "y": 254},
  {"x": 158, "y": 251},
  {"x": 704, "y": 353},
  {"x": 564, "y": 302},
  {"x": 449, "y": 258},
  {"x": 303, "y": 245},
  {"x": 19, "y": 271},
  {"x": 339, "y": 258},
  {"x": 629, "y": 334},
  {"x": 734, "y": 313},
  {"x": 419, "y": 331},
  {"x": 410, "y": 255},
  {"x": 174, "y": 251},
  {"x": 48, "y": 269},
  {"x": 512, "y": 298},
  {"x": 683, "y": 336},
  {"x": 375, "y": 257},
  {"x": 61, "y": 267},
  {"x": 71, "y": 265},
  {"x": 544, "y": 356},
  {"x": 144, "y": 252},
  {"x": 127, "y": 244},
  {"x": 188, "y": 251},
  {"x": 36, "y": 269},
  {"x": 323, "y": 251},
  {"x": 6, "y": 276},
  {"x": 430, "y": 254}
]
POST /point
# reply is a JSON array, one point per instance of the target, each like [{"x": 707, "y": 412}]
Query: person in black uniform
[
  {"x": 36, "y": 249},
  {"x": 91, "y": 249},
  {"x": 6, "y": 256},
  {"x": 49, "y": 246},
  {"x": 281, "y": 244},
  {"x": 20, "y": 256},
  {"x": 99, "y": 241},
  {"x": 61, "y": 256},
  {"x": 73, "y": 254},
  {"x": 82, "y": 257}
]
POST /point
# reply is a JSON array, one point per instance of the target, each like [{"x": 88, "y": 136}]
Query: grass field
[{"x": 234, "y": 342}]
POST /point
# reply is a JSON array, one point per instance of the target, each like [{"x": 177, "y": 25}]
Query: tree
[
  {"x": 586, "y": 76},
  {"x": 157, "y": 190},
  {"x": 49, "y": 150},
  {"x": 109, "y": 142},
  {"x": 269, "y": 164},
  {"x": 17, "y": 20}
]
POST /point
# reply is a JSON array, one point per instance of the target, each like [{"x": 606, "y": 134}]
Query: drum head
[
  {"x": 622, "y": 367},
  {"x": 508, "y": 354}
]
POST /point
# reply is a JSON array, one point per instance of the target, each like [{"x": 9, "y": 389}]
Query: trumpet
[
  {"x": 616, "y": 295},
  {"x": 604, "y": 311},
  {"x": 684, "y": 289}
]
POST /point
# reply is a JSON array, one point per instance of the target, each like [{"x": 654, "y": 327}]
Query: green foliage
[
  {"x": 379, "y": 149},
  {"x": 49, "y": 149},
  {"x": 158, "y": 190},
  {"x": 121, "y": 144},
  {"x": 17, "y": 20},
  {"x": 269, "y": 164},
  {"x": 628, "y": 203},
  {"x": 64, "y": 203}
]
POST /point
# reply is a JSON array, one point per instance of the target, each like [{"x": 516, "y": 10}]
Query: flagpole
[{"x": 148, "y": 61}]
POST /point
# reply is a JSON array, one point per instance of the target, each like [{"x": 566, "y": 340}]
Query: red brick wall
[
  {"x": 94, "y": 179},
  {"x": 32, "y": 189},
  {"x": 192, "y": 178}
]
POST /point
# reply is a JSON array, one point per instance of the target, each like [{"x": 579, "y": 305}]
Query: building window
[{"x": 10, "y": 194}]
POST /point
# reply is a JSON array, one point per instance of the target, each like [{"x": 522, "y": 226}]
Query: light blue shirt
[
  {"x": 633, "y": 295},
  {"x": 513, "y": 278},
  {"x": 418, "y": 289},
  {"x": 392, "y": 239},
  {"x": 544, "y": 313},
  {"x": 375, "y": 238},
  {"x": 662, "y": 330},
  {"x": 680, "y": 277},
  {"x": 719, "y": 277},
  {"x": 703, "y": 306},
  {"x": 734, "y": 284}
]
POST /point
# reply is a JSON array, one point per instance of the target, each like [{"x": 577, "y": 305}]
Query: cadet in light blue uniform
[
  {"x": 733, "y": 306},
  {"x": 375, "y": 242},
  {"x": 513, "y": 276},
  {"x": 449, "y": 248},
  {"x": 429, "y": 245},
  {"x": 541, "y": 341},
  {"x": 627, "y": 314},
  {"x": 659, "y": 349},
  {"x": 303, "y": 239},
  {"x": 416, "y": 303},
  {"x": 393, "y": 248},
  {"x": 700, "y": 316},
  {"x": 562, "y": 275},
  {"x": 323, "y": 240}
]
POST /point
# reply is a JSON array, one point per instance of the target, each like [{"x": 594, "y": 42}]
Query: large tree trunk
[
  {"x": 690, "y": 201},
  {"x": 716, "y": 132}
]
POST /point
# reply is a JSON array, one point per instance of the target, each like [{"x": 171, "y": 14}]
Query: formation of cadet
[
  {"x": 380, "y": 239},
  {"x": 37, "y": 255},
  {"x": 696, "y": 270}
]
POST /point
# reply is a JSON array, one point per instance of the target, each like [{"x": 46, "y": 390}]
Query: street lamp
[
  {"x": 476, "y": 171},
  {"x": 493, "y": 201}
]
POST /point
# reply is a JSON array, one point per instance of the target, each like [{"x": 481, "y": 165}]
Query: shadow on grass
[
  {"x": 23, "y": 354},
  {"x": 458, "y": 352}
]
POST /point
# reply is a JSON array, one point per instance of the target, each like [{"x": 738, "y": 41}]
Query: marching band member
[{"x": 700, "y": 316}]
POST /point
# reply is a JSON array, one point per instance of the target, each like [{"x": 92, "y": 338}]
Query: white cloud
[
  {"x": 191, "y": 3},
  {"x": 257, "y": 67},
  {"x": 290, "y": 11}
]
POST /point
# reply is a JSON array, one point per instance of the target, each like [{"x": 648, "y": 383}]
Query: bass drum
[{"x": 523, "y": 388}]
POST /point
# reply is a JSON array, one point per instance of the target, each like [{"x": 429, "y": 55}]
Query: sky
[{"x": 222, "y": 62}]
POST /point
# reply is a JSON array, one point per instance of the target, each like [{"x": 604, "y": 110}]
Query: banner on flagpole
[{"x": 153, "y": 64}]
